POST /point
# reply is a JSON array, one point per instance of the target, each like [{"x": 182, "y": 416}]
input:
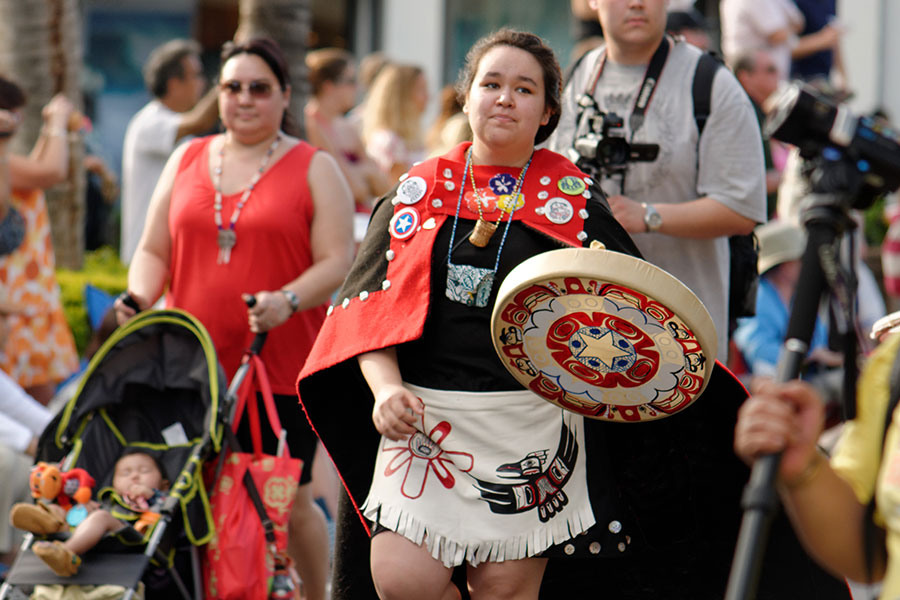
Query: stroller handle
[
  {"x": 129, "y": 301},
  {"x": 260, "y": 339},
  {"x": 255, "y": 349}
]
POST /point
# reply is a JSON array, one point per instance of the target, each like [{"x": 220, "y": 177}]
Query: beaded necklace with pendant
[
  {"x": 484, "y": 229},
  {"x": 226, "y": 238},
  {"x": 468, "y": 284}
]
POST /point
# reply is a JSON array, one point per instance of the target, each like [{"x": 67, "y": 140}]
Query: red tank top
[{"x": 273, "y": 248}]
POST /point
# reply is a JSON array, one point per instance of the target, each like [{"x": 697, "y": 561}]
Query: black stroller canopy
[
  {"x": 155, "y": 383},
  {"x": 154, "y": 358}
]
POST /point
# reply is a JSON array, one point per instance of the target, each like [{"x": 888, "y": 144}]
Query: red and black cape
[{"x": 676, "y": 482}]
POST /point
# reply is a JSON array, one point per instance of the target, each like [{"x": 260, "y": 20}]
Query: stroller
[{"x": 154, "y": 384}]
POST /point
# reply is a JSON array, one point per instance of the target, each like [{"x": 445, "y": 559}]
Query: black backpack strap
[
  {"x": 701, "y": 90},
  {"x": 232, "y": 443},
  {"x": 570, "y": 70},
  {"x": 870, "y": 530},
  {"x": 743, "y": 249}
]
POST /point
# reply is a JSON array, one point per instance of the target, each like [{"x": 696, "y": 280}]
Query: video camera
[
  {"x": 603, "y": 145},
  {"x": 819, "y": 127}
]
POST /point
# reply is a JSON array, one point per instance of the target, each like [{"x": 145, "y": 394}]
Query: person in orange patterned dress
[{"x": 40, "y": 350}]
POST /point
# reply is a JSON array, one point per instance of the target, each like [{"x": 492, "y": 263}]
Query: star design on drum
[{"x": 602, "y": 349}]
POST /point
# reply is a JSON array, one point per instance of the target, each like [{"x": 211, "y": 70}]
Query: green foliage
[
  {"x": 875, "y": 225},
  {"x": 103, "y": 270}
]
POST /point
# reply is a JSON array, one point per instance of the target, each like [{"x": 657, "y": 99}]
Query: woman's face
[
  {"x": 346, "y": 89},
  {"x": 420, "y": 93},
  {"x": 505, "y": 103},
  {"x": 250, "y": 100}
]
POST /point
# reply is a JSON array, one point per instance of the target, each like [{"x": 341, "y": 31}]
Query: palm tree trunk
[
  {"x": 41, "y": 49},
  {"x": 288, "y": 23}
]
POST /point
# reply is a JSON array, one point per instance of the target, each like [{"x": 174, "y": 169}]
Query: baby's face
[{"x": 136, "y": 469}]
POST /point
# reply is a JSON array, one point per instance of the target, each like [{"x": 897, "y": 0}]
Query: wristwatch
[
  {"x": 292, "y": 299},
  {"x": 652, "y": 218}
]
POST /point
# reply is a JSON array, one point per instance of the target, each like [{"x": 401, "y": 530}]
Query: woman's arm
[
  {"x": 331, "y": 239},
  {"x": 396, "y": 408},
  {"x": 397, "y": 170},
  {"x": 149, "y": 269},
  {"x": 48, "y": 163}
]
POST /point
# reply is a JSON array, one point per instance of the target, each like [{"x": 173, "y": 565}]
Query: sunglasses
[{"x": 256, "y": 89}]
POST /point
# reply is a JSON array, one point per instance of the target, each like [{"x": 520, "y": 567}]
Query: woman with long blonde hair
[{"x": 392, "y": 130}]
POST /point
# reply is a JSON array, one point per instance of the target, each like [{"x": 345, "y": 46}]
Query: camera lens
[{"x": 613, "y": 151}]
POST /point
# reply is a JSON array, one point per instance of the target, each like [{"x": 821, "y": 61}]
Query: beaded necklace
[
  {"x": 227, "y": 238},
  {"x": 468, "y": 284},
  {"x": 484, "y": 229}
]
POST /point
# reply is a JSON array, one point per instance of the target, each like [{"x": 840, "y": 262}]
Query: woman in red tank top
[{"x": 254, "y": 211}]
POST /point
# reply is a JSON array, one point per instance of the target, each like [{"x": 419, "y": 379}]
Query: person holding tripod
[
  {"x": 843, "y": 508},
  {"x": 827, "y": 498}
]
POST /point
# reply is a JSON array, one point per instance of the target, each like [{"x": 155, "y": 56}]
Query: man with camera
[{"x": 629, "y": 117}]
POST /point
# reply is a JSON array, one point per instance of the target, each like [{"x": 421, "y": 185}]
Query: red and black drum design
[{"x": 603, "y": 334}]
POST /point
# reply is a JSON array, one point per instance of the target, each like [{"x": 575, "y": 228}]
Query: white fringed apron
[{"x": 488, "y": 477}]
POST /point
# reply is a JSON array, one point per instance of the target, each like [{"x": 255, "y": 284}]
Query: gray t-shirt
[{"x": 729, "y": 168}]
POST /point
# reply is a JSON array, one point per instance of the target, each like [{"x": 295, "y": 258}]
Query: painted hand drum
[{"x": 603, "y": 334}]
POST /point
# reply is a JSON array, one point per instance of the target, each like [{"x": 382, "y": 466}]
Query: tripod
[{"x": 836, "y": 185}]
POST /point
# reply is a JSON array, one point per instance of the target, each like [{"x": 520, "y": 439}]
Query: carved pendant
[
  {"x": 482, "y": 233},
  {"x": 226, "y": 239}
]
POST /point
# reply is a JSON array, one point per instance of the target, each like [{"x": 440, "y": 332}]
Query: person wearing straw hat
[{"x": 759, "y": 338}]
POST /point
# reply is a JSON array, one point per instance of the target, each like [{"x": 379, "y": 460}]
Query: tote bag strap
[
  {"x": 257, "y": 380},
  {"x": 269, "y": 402}
]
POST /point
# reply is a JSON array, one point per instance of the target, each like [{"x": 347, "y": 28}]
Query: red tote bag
[{"x": 239, "y": 562}]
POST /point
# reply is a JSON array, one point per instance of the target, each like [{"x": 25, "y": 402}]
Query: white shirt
[
  {"x": 149, "y": 140},
  {"x": 747, "y": 24}
]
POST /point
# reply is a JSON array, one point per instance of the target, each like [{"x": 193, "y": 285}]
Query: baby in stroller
[{"x": 138, "y": 479}]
